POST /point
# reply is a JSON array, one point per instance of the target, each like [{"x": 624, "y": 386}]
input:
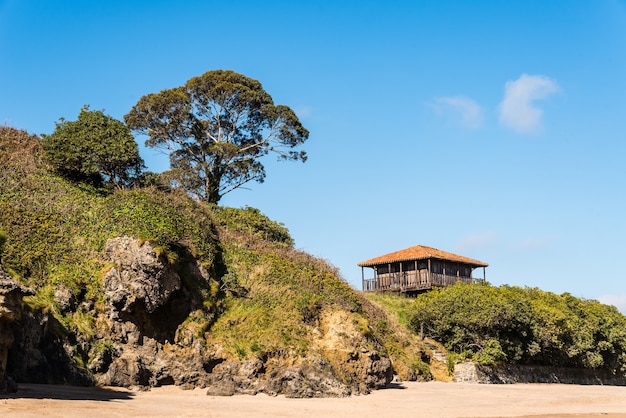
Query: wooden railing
[{"x": 410, "y": 280}]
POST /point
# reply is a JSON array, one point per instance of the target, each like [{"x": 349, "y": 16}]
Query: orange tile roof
[{"x": 420, "y": 252}]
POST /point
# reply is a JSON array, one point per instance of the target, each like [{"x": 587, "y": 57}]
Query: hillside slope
[{"x": 148, "y": 287}]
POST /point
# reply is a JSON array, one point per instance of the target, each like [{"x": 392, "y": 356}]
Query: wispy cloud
[
  {"x": 619, "y": 301},
  {"x": 469, "y": 112},
  {"x": 303, "y": 111},
  {"x": 518, "y": 109},
  {"x": 469, "y": 244}
]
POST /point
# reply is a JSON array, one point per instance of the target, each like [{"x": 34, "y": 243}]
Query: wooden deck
[{"x": 411, "y": 281}]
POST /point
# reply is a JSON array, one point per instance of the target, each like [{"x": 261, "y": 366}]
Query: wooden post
[{"x": 362, "y": 278}]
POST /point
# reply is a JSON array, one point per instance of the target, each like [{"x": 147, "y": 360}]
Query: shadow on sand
[
  {"x": 394, "y": 385},
  {"x": 64, "y": 392}
]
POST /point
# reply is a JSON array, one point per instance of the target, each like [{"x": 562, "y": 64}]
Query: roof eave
[{"x": 378, "y": 263}]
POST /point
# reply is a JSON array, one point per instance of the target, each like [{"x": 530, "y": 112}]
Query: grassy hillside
[{"x": 262, "y": 298}]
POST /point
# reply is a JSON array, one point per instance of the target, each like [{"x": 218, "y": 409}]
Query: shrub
[
  {"x": 252, "y": 221},
  {"x": 524, "y": 326}
]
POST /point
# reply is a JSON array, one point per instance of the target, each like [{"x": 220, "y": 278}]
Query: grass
[
  {"x": 262, "y": 298},
  {"x": 396, "y": 305}
]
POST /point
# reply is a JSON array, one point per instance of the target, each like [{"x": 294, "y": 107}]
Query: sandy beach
[{"x": 433, "y": 399}]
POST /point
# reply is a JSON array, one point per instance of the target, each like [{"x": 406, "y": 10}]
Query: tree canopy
[
  {"x": 94, "y": 148},
  {"x": 217, "y": 127}
]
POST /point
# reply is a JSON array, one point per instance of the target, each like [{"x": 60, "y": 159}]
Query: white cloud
[
  {"x": 518, "y": 109},
  {"x": 619, "y": 301},
  {"x": 470, "y": 112}
]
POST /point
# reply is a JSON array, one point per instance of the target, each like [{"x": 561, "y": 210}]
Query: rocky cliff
[
  {"x": 11, "y": 294},
  {"x": 147, "y": 287},
  {"x": 144, "y": 338}
]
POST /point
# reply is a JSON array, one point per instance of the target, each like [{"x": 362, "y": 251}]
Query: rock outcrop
[
  {"x": 11, "y": 294},
  {"x": 147, "y": 334},
  {"x": 350, "y": 354},
  {"x": 147, "y": 303},
  {"x": 346, "y": 364},
  {"x": 140, "y": 279},
  {"x": 286, "y": 375}
]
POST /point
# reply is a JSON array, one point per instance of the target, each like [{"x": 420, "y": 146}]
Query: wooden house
[{"x": 417, "y": 269}]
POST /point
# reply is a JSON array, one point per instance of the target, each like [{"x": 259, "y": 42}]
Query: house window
[{"x": 408, "y": 266}]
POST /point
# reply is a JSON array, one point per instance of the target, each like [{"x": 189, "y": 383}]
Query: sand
[{"x": 410, "y": 399}]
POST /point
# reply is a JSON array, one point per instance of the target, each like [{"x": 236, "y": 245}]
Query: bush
[
  {"x": 524, "y": 326},
  {"x": 94, "y": 148},
  {"x": 252, "y": 221}
]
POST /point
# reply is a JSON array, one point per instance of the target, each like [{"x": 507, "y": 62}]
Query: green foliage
[
  {"x": 217, "y": 126},
  {"x": 58, "y": 230},
  {"x": 3, "y": 240},
  {"x": 151, "y": 179},
  {"x": 397, "y": 305},
  {"x": 388, "y": 323},
  {"x": 93, "y": 148},
  {"x": 285, "y": 292},
  {"x": 252, "y": 221},
  {"x": 262, "y": 298},
  {"x": 523, "y": 326}
]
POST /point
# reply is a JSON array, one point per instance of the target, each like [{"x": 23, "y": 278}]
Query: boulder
[{"x": 139, "y": 276}]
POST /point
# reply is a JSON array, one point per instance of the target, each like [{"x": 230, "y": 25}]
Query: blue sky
[{"x": 492, "y": 129}]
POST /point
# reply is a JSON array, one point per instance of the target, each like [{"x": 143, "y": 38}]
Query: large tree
[
  {"x": 217, "y": 127},
  {"x": 94, "y": 148}
]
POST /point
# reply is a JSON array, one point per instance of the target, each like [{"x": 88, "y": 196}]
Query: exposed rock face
[
  {"x": 139, "y": 277},
  {"x": 144, "y": 337},
  {"x": 11, "y": 294},
  {"x": 146, "y": 304},
  {"x": 352, "y": 357},
  {"x": 65, "y": 299},
  {"x": 348, "y": 365},
  {"x": 42, "y": 353},
  {"x": 147, "y": 301},
  {"x": 289, "y": 376}
]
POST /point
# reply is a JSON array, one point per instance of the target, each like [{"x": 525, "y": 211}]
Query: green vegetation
[
  {"x": 397, "y": 305},
  {"x": 57, "y": 228},
  {"x": 523, "y": 326},
  {"x": 388, "y": 315},
  {"x": 252, "y": 221},
  {"x": 3, "y": 240},
  {"x": 263, "y": 297},
  {"x": 285, "y": 291},
  {"x": 217, "y": 127},
  {"x": 94, "y": 148}
]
